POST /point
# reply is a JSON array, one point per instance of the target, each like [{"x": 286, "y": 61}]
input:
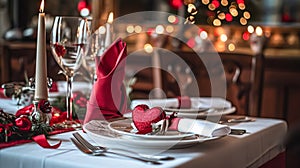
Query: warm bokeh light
[
  {"x": 223, "y": 37},
  {"x": 246, "y": 15},
  {"x": 203, "y": 35},
  {"x": 159, "y": 29},
  {"x": 172, "y": 19},
  {"x": 148, "y": 48},
  {"x": 224, "y": 2},
  {"x": 102, "y": 30},
  {"x": 259, "y": 31},
  {"x": 205, "y": 2},
  {"x": 231, "y": 47},
  {"x": 138, "y": 29},
  {"x": 130, "y": 29},
  {"x": 250, "y": 29},
  {"x": 221, "y": 15},
  {"x": 242, "y": 6},
  {"x": 211, "y": 7},
  {"x": 217, "y": 22},
  {"x": 243, "y": 21},
  {"x": 233, "y": 12},
  {"x": 192, "y": 9},
  {"x": 170, "y": 29},
  {"x": 84, "y": 12}
]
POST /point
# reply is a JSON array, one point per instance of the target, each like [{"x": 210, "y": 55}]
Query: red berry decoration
[
  {"x": 23, "y": 123},
  {"x": 60, "y": 50},
  {"x": 44, "y": 106},
  {"x": 143, "y": 117}
]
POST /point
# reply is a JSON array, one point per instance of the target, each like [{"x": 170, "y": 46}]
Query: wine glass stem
[{"x": 69, "y": 97}]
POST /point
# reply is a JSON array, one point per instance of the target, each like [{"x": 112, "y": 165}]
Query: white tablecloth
[{"x": 262, "y": 142}]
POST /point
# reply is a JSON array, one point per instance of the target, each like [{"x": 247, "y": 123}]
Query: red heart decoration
[{"x": 143, "y": 117}]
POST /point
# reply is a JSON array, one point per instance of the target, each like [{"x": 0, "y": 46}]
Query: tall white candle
[
  {"x": 108, "y": 36},
  {"x": 41, "y": 89}
]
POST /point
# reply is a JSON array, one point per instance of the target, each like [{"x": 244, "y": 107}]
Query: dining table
[{"x": 261, "y": 144}]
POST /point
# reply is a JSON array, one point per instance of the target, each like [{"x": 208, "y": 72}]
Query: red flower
[
  {"x": 1, "y": 129},
  {"x": 25, "y": 110},
  {"x": 23, "y": 123},
  {"x": 59, "y": 50}
]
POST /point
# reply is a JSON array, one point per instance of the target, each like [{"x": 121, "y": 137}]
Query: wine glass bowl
[{"x": 67, "y": 40}]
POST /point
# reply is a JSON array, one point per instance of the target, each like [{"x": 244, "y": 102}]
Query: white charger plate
[{"x": 98, "y": 131}]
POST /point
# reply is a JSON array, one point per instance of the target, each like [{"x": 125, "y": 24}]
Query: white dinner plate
[
  {"x": 209, "y": 112},
  {"x": 99, "y": 132},
  {"x": 195, "y": 113},
  {"x": 124, "y": 127}
]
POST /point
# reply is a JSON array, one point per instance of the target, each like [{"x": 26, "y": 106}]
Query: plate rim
[{"x": 147, "y": 143}]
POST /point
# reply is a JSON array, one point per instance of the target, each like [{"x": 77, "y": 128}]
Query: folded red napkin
[{"x": 108, "y": 97}]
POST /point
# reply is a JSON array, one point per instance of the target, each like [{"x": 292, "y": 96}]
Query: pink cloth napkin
[{"x": 108, "y": 98}]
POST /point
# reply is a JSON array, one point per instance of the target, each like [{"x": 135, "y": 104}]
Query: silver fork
[
  {"x": 86, "y": 150},
  {"x": 84, "y": 142}
]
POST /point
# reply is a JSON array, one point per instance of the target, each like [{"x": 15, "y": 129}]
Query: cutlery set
[{"x": 86, "y": 147}]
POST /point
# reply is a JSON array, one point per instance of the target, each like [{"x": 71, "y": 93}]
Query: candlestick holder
[
  {"x": 41, "y": 112},
  {"x": 42, "y": 107}
]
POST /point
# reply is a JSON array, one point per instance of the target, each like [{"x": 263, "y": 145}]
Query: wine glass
[
  {"x": 94, "y": 48},
  {"x": 67, "y": 40}
]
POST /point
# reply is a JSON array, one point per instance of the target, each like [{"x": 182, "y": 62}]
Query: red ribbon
[{"x": 42, "y": 141}]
